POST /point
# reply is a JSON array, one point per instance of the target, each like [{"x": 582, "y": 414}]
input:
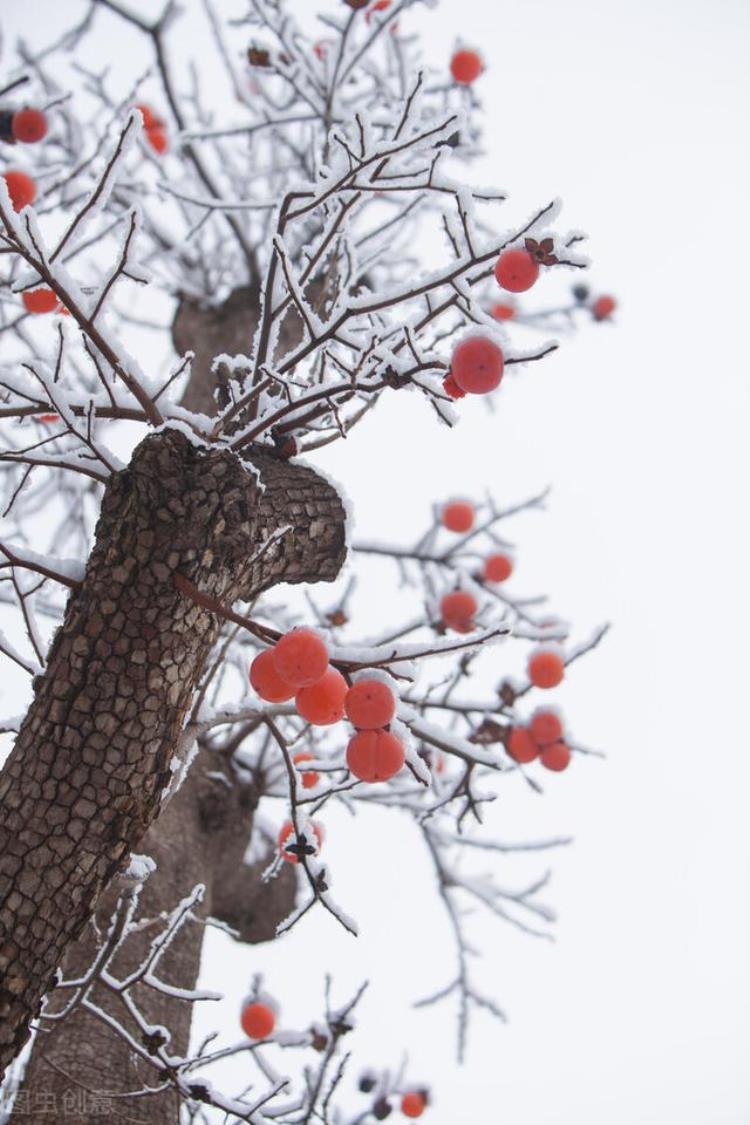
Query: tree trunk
[
  {"x": 211, "y": 330},
  {"x": 83, "y": 783},
  {"x": 78, "y": 1067}
]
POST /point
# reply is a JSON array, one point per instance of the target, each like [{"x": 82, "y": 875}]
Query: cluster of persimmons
[
  {"x": 544, "y": 737},
  {"x": 298, "y": 668}
]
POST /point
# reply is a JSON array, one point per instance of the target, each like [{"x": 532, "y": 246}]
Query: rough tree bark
[
  {"x": 83, "y": 783},
  {"x": 200, "y": 837},
  {"x": 211, "y": 330}
]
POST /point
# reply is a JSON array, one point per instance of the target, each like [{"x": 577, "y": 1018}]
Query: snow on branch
[{"x": 303, "y": 211}]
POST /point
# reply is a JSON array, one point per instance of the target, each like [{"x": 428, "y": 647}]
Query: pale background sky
[{"x": 635, "y": 113}]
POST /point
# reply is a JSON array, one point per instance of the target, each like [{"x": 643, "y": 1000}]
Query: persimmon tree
[{"x": 153, "y": 527}]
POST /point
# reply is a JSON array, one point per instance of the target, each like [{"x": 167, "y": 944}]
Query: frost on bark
[{"x": 83, "y": 783}]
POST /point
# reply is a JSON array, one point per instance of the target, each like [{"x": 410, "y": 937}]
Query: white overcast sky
[{"x": 635, "y": 113}]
